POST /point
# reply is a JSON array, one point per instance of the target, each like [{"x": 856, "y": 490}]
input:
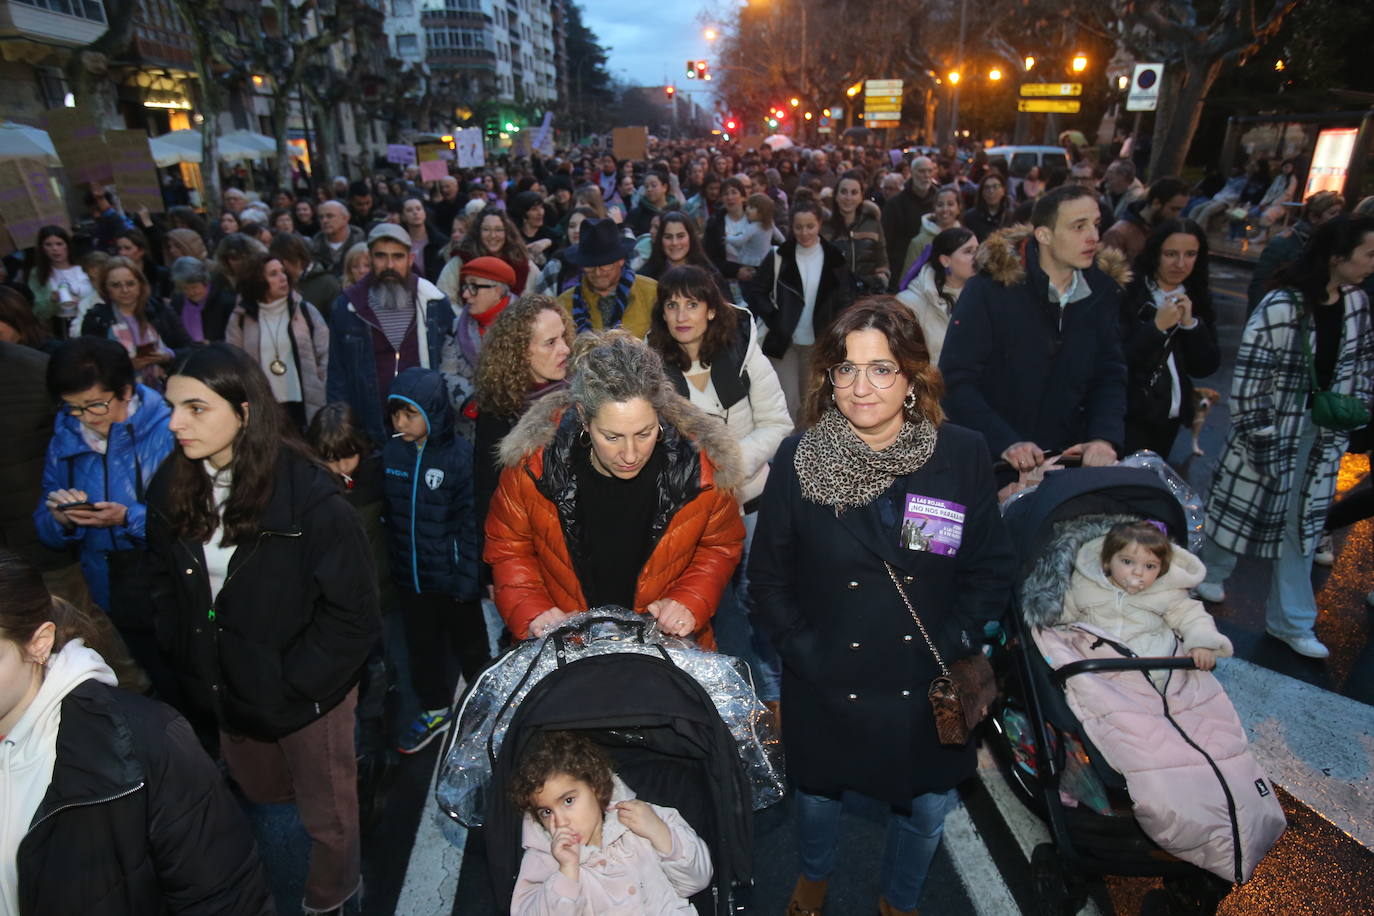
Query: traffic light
[
  {"x": 669, "y": 90},
  {"x": 702, "y": 74},
  {"x": 731, "y": 124},
  {"x": 492, "y": 127},
  {"x": 691, "y": 69}
]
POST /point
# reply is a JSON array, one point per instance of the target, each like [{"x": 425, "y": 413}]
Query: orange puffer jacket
[{"x": 532, "y": 518}]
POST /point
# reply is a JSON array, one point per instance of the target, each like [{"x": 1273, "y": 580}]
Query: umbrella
[
  {"x": 184, "y": 146},
  {"x": 178, "y": 146},
  {"x": 246, "y": 141},
  {"x": 778, "y": 141},
  {"x": 19, "y": 141}
]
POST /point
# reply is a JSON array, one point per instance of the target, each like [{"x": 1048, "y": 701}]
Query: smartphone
[
  {"x": 148, "y": 349},
  {"x": 66, "y": 507}
]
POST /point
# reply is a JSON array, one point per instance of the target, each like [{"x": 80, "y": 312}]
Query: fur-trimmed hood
[
  {"x": 1003, "y": 257},
  {"x": 542, "y": 423}
]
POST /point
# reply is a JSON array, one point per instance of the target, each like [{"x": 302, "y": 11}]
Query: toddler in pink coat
[{"x": 591, "y": 847}]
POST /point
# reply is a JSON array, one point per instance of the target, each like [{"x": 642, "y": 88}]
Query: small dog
[{"x": 1203, "y": 401}]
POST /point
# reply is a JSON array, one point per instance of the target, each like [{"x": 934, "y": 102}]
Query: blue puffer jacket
[
  {"x": 141, "y": 442},
  {"x": 431, "y": 525}
]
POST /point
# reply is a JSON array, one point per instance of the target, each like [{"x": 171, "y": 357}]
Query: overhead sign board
[
  {"x": 1037, "y": 90},
  {"x": 882, "y": 87},
  {"x": 1144, "y": 92},
  {"x": 882, "y": 102},
  {"x": 1049, "y": 106}
]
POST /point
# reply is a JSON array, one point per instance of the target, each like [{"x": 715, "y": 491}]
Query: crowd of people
[{"x": 261, "y": 455}]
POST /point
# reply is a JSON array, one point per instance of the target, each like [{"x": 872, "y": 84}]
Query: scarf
[
  {"x": 836, "y": 468},
  {"x": 471, "y": 328},
  {"x": 612, "y": 308}
]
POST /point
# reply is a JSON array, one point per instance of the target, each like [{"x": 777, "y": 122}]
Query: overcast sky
[{"x": 649, "y": 41}]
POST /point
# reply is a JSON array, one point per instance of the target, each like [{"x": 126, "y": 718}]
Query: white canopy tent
[
  {"x": 185, "y": 146},
  {"x": 19, "y": 141}
]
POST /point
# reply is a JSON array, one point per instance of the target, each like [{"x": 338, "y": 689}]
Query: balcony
[
  {"x": 69, "y": 23},
  {"x": 462, "y": 19},
  {"x": 460, "y": 59}
]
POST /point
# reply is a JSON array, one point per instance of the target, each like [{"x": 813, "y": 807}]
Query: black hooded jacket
[{"x": 286, "y": 638}]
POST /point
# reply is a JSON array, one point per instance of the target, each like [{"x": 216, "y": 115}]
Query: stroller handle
[{"x": 1089, "y": 665}]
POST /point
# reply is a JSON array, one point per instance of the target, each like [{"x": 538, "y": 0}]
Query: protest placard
[
  {"x": 28, "y": 200},
  {"x": 543, "y": 138},
  {"x": 433, "y": 170},
  {"x": 135, "y": 175},
  {"x": 80, "y": 145},
  {"x": 471, "y": 154},
  {"x": 400, "y": 153},
  {"x": 630, "y": 142}
]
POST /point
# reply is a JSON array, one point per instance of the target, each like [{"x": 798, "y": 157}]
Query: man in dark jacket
[
  {"x": 902, "y": 213},
  {"x": 1288, "y": 244},
  {"x": 1164, "y": 200},
  {"x": 1033, "y": 355}
]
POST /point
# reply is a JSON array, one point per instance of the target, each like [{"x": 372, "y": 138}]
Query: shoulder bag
[
  {"x": 1330, "y": 410},
  {"x": 961, "y": 695}
]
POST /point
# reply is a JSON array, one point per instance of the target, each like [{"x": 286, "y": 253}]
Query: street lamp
[
  {"x": 994, "y": 74},
  {"x": 794, "y": 101},
  {"x": 953, "y": 77},
  {"x": 1030, "y": 64},
  {"x": 854, "y": 90},
  {"x": 1080, "y": 63},
  {"x": 710, "y": 35}
]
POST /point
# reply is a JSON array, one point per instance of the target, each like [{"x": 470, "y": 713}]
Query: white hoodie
[{"x": 28, "y": 752}]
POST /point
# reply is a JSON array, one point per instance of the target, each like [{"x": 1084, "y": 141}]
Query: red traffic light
[
  {"x": 670, "y": 90},
  {"x": 731, "y": 124}
]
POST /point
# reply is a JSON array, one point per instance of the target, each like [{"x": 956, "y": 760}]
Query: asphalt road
[{"x": 1311, "y": 726}]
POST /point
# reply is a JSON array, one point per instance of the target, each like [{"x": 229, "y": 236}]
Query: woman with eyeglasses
[
  {"x": 711, "y": 354},
  {"x": 133, "y": 316},
  {"x": 109, "y": 439},
  {"x": 878, "y": 507},
  {"x": 992, "y": 210}
]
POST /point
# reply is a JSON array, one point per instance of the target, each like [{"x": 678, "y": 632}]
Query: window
[
  {"x": 456, "y": 39},
  {"x": 407, "y": 45},
  {"x": 402, "y": 7},
  {"x": 82, "y": 9}
]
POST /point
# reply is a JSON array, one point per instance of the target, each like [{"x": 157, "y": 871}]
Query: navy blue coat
[
  {"x": 1018, "y": 371},
  {"x": 855, "y": 669},
  {"x": 141, "y": 443},
  {"x": 430, "y": 518}
]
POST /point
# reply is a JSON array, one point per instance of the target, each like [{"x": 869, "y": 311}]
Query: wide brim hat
[{"x": 599, "y": 244}]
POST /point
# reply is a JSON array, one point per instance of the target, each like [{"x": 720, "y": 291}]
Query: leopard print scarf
[{"x": 836, "y": 468}]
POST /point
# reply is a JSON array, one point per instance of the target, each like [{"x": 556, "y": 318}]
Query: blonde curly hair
[{"x": 503, "y": 367}]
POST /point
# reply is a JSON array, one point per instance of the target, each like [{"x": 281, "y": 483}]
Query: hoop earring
[
  {"x": 909, "y": 402},
  {"x": 585, "y": 438}
]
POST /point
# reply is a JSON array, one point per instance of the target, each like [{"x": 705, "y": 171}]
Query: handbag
[
  {"x": 1330, "y": 410},
  {"x": 961, "y": 695}
]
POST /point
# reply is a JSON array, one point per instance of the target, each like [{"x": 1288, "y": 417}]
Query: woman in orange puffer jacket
[{"x": 617, "y": 491}]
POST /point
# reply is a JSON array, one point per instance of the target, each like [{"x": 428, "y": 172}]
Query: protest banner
[
  {"x": 80, "y": 144},
  {"x": 135, "y": 175},
  {"x": 471, "y": 154},
  {"x": 400, "y": 153},
  {"x": 28, "y": 200},
  {"x": 433, "y": 170},
  {"x": 630, "y": 142}
]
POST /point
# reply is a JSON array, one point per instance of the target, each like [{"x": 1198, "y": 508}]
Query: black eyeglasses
[
  {"x": 475, "y": 288},
  {"x": 95, "y": 408}
]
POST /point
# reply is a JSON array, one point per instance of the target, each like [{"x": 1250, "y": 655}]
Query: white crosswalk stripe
[{"x": 435, "y": 861}]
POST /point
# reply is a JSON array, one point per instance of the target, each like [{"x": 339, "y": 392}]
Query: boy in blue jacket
[{"x": 432, "y": 539}]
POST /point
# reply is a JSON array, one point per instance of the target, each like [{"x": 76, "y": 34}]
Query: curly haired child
[{"x": 591, "y": 847}]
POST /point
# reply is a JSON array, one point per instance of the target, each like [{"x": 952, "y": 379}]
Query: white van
[{"x": 1017, "y": 160}]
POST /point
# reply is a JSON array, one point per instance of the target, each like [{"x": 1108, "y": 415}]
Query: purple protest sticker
[{"x": 932, "y": 525}]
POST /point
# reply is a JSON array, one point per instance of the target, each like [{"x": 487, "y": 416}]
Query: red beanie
[{"x": 490, "y": 268}]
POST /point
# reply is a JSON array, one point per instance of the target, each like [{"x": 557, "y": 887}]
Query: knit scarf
[
  {"x": 836, "y": 468},
  {"x": 612, "y": 309}
]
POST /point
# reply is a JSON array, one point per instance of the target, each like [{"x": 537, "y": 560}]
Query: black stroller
[
  {"x": 655, "y": 704},
  {"x": 1034, "y": 733}
]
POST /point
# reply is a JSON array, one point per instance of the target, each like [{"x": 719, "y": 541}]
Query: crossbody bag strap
[
  {"x": 1307, "y": 352},
  {"x": 939, "y": 660}
]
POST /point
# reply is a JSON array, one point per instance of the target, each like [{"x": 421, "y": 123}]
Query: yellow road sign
[
  {"x": 1051, "y": 89},
  {"x": 870, "y": 108},
  {"x": 1054, "y": 106}
]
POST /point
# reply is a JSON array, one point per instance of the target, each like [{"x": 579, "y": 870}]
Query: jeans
[
  {"x": 1291, "y": 608},
  {"x": 909, "y": 850},
  {"x": 736, "y": 636},
  {"x": 791, "y": 368}
]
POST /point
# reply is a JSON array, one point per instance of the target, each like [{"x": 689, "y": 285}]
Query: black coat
[
  {"x": 288, "y": 634},
  {"x": 855, "y": 668},
  {"x": 137, "y": 820},
  {"x": 1146, "y": 348},
  {"x": 1017, "y": 370},
  {"x": 781, "y": 313},
  {"x": 26, "y": 427},
  {"x": 164, "y": 320}
]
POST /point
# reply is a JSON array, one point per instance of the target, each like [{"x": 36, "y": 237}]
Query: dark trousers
[
  {"x": 437, "y": 628},
  {"x": 1354, "y": 507},
  {"x": 1154, "y": 433}
]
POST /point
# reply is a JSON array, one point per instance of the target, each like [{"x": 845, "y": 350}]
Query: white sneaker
[
  {"x": 1326, "y": 551},
  {"x": 1210, "y": 591},
  {"x": 1307, "y": 644}
]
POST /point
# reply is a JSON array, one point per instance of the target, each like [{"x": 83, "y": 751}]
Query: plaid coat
[{"x": 1269, "y": 393}]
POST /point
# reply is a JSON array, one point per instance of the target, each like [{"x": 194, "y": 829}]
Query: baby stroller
[
  {"x": 682, "y": 726},
  {"x": 1038, "y": 741}
]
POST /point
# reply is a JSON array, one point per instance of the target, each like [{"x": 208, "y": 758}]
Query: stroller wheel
[
  {"x": 1195, "y": 895},
  {"x": 1057, "y": 893}
]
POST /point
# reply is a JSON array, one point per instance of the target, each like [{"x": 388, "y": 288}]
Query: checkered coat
[{"x": 1257, "y": 476}]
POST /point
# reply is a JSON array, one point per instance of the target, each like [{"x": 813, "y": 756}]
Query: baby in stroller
[
  {"x": 1133, "y": 584},
  {"x": 591, "y": 847}
]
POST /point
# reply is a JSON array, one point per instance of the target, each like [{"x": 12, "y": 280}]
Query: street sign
[
  {"x": 882, "y": 102},
  {"x": 1144, "y": 92},
  {"x": 882, "y": 87},
  {"x": 883, "y": 116},
  {"x": 1049, "y": 106},
  {"x": 1032, "y": 90},
  {"x": 883, "y": 106}
]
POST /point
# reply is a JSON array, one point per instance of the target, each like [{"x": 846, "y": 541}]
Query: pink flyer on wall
[{"x": 932, "y": 525}]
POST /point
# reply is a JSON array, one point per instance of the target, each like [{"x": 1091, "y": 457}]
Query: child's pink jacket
[{"x": 625, "y": 876}]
